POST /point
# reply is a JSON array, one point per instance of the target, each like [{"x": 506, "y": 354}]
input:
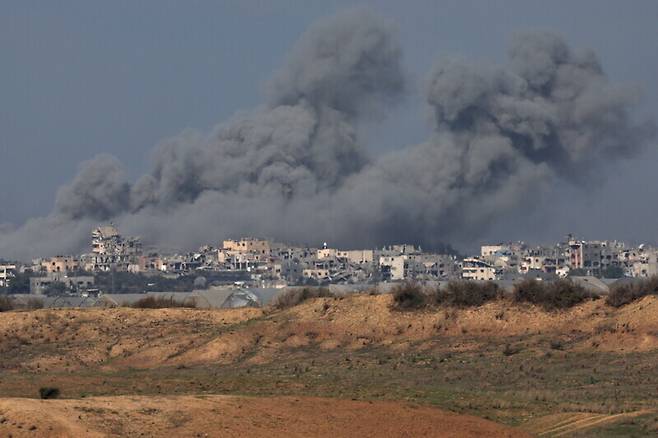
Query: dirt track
[
  {"x": 229, "y": 416},
  {"x": 567, "y": 424}
]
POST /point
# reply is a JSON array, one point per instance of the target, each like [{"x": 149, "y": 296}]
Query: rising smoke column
[
  {"x": 304, "y": 139},
  {"x": 502, "y": 136},
  {"x": 293, "y": 170}
]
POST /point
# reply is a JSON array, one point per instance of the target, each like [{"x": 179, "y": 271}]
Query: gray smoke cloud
[
  {"x": 98, "y": 191},
  {"x": 293, "y": 169}
]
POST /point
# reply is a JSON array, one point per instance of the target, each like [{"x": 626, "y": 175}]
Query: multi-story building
[
  {"x": 393, "y": 267},
  {"x": 7, "y": 272},
  {"x": 60, "y": 264},
  {"x": 647, "y": 266},
  {"x": 476, "y": 269},
  {"x": 585, "y": 255},
  {"x": 247, "y": 245},
  {"x": 111, "y": 251}
]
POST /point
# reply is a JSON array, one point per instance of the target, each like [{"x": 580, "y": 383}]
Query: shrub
[
  {"x": 6, "y": 304},
  {"x": 627, "y": 293},
  {"x": 511, "y": 350},
  {"x": 295, "y": 297},
  {"x": 466, "y": 293},
  {"x": 557, "y": 344},
  {"x": 48, "y": 392},
  {"x": 409, "y": 296},
  {"x": 559, "y": 294},
  {"x": 153, "y": 302}
]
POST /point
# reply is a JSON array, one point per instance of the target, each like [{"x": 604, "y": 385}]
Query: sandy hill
[{"x": 122, "y": 337}]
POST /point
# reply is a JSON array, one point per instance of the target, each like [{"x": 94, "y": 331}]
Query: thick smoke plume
[{"x": 293, "y": 169}]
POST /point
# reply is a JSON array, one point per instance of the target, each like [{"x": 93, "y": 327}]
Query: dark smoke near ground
[{"x": 293, "y": 169}]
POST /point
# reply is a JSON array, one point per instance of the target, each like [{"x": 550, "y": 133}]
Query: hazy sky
[{"x": 78, "y": 78}]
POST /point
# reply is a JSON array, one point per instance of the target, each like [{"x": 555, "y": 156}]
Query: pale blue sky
[{"x": 82, "y": 77}]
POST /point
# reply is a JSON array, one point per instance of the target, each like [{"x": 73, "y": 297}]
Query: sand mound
[
  {"x": 66, "y": 340},
  {"x": 230, "y": 416}
]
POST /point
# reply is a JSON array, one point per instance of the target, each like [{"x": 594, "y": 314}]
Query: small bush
[
  {"x": 627, "y": 293},
  {"x": 6, "y": 304},
  {"x": 409, "y": 296},
  {"x": 557, "y": 345},
  {"x": 559, "y": 294},
  {"x": 467, "y": 293},
  {"x": 295, "y": 297},
  {"x": 153, "y": 302},
  {"x": 48, "y": 392},
  {"x": 511, "y": 350}
]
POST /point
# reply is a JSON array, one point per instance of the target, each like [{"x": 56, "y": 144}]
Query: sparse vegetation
[
  {"x": 48, "y": 392},
  {"x": 511, "y": 350},
  {"x": 294, "y": 297},
  {"x": 153, "y": 302},
  {"x": 533, "y": 364},
  {"x": 627, "y": 293},
  {"x": 409, "y": 296},
  {"x": 467, "y": 293},
  {"x": 554, "y": 295}
]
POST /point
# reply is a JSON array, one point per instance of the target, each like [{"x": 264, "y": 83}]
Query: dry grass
[{"x": 295, "y": 297}]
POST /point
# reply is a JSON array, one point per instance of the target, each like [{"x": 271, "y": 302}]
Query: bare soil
[
  {"x": 231, "y": 416},
  {"x": 514, "y": 364}
]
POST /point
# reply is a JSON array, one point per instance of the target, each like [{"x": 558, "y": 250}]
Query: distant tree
[{"x": 612, "y": 272}]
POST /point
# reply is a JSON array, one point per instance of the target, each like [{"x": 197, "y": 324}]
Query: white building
[
  {"x": 7, "y": 272},
  {"x": 393, "y": 266},
  {"x": 476, "y": 269}
]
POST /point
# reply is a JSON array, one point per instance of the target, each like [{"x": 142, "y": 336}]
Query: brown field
[
  {"x": 236, "y": 416},
  {"x": 588, "y": 371}
]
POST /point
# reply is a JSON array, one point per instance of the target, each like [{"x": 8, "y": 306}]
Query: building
[
  {"x": 585, "y": 255},
  {"x": 317, "y": 274},
  {"x": 647, "y": 267},
  {"x": 326, "y": 253},
  {"x": 476, "y": 269},
  {"x": 7, "y": 272},
  {"x": 111, "y": 251},
  {"x": 491, "y": 250},
  {"x": 247, "y": 245},
  {"x": 60, "y": 264},
  {"x": 72, "y": 284},
  {"x": 358, "y": 256},
  {"x": 393, "y": 267}
]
